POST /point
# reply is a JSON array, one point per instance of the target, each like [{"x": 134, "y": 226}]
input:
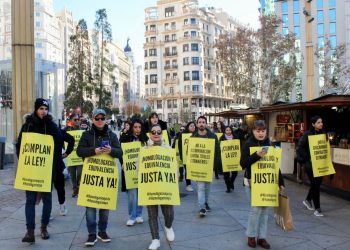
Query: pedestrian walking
[
  {"x": 91, "y": 144},
  {"x": 304, "y": 157},
  {"x": 258, "y": 216},
  {"x": 40, "y": 122}
]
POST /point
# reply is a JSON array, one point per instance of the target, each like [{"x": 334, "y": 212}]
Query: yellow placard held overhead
[
  {"x": 157, "y": 177},
  {"x": 218, "y": 135},
  {"x": 264, "y": 181},
  {"x": 230, "y": 155},
  {"x": 179, "y": 161},
  {"x": 73, "y": 159},
  {"x": 200, "y": 159},
  {"x": 34, "y": 171},
  {"x": 131, "y": 151},
  {"x": 320, "y": 152},
  {"x": 99, "y": 182},
  {"x": 185, "y": 140},
  {"x": 164, "y": 136}
]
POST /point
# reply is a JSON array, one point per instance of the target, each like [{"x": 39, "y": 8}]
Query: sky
[{"x": 127, "y": 17}]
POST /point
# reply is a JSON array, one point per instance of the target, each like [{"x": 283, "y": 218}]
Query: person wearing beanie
[{"x": 40, "y": 122}]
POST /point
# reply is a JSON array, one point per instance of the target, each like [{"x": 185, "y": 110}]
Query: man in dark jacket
[
  {"x": 204, "y": 187},
  {"x": 90, "y": 144},
  {"x": 40, "y": 122}
]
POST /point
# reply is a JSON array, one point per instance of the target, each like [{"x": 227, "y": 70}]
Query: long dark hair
[
  {"x": 188, "y": 126},
  {"x": 142, "y": 137}
]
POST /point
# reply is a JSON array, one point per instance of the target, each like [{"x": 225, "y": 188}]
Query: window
[
  {"x": 153, "y": 39},
  {"x": 195, "y": 88},
  {"x": 145, "y": 53},
  {"x": 193, "y": 20},
  {"x": 38, "y": 45},
  {"x": 167, "y": 76},
  {"x": 174, "y": 76},
  {"x": 185, "y": 21},
  {"x": 284, "y": 6},
  {"x": 173, "y": 51},
  {"x": 331, "y": 3},
  {"x": 296, "y": 5},
  {"x": 333, "y": 41},
  {"x": 195, "y": 75},
  {"x": 166, "y": 38},
  {"x": 186, "y": 61},
  {"x": 173, "y": 25},
  {"x": 194, "y": 46},
  {"x": 320, "y": 17},
  {"x": 153, "y": 78},
  {"x": 37, "y": 14},
  {"x": 297, "y": 31},
  {"x": 195, "y": 60},
  {"x": 152, "y": 27},
  {"x": 319, "y": 4},
  {"x": 296, "y": 19},
  {"x": 320, "y": 42},
  {"x": 193, "y": 33},
  {"x": 332, "y": 15},
  {"x": 332, "y": 28},
  {"x": 37, "y": 24},
  {"x": 171, "y": 90},
  {"x": 173, "y": 37},
  {"x": 320, "y": 29},
  {"x": 153, "y": 52},
  {"x": 166, "y": 26},
  {"x": 159, "y": 104},
  {"x": 153, "y": 91},
  {"x": 169, "y": 104},
  {"x": 285, "y": 31},
  {"x": 146, "y": 65},
  {"x": 285, "y": 20},
  {"x": 146, "y": 79},
  {"x": 186, "y": 34},
  {"x": 185, "y": 103},
  {"x": 169, "y": 11},
  {"x": 185, "y": 47},
  {"x": 186, "y": 75},
  {"x": 153, "y": 64},
  {"x": 175, "y": 103}
]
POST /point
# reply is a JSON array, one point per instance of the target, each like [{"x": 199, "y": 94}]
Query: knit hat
[{"x": 40, "y": 102}]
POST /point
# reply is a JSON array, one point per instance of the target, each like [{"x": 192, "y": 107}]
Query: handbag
[{"x": 283, "y": 215}]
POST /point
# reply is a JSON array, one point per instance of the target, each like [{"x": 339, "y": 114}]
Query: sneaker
[
  {"x": 202, "y": 212},
  {"x": 318, "y": 213},
  {"x": 51, "y": 217},
  {"x": 102, "y": 236},
  {"x": 169, "y": 233},
  {"x": 308, "y": 205},
  {"x": 91, "y": 240},
  {"x": 155, "y": 244},
  {"x": 63, "y": 209},
  {"x": 75, "y": 193},
  {"x": 207, "y": 207},
  {"x": 189, "y": 188},
  {"x": 130, "y": 223},
  {"x": 139, "y": 220}
]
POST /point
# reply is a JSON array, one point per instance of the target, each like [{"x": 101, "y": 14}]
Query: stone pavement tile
[
  {"x": 343, "y": 246},
  {"x": 325, "y": 241},
  {"x": 306, "y": 244},
  {"x": 326, "y": 230},
  {"x": 12, "y": 229}
]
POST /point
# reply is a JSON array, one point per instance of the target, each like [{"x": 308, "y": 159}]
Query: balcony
[
  {"x": 173, "y": 95},
  {"x": 190, "y": 11},
  {"x": 171, "y": 81},
  {"x": 152, "y": 44},
  {"x": 191, "y": 26},
  {"x": 151, "y": 96},
  {"x": 151, "y": 32},
  {"x": 192, "y": 94},
  {"x": 190, "y": 39},
  {"x": 209, "y": 81},
  {"x": 169, "y": 54},
  {"x": 170, "y": 41},
  {"x": 170, "y": 67}
]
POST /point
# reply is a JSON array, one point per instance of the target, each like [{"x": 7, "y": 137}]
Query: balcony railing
[
  {"x": 191, "y": 26},
  {"x": 170, "y": 54},
  {"x": 170, "y": 66},
  {"x": 171, "y": 81}
]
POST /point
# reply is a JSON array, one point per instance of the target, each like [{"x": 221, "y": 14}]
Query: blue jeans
[
  {"x": 133, "y": 208},
  {"x": 30, "y": 208},
  {"x": 91, "y": 220},
  {"x": 257, "y": 221},
  {"x": 203, "y": 188}
]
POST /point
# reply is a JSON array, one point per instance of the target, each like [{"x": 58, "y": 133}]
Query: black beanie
[{"x": 40, "y": 102}]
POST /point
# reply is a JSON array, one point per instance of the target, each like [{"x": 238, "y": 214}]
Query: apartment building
[
  {"x": 329, "y": 19},
  {"x": 182, "y": 78}
]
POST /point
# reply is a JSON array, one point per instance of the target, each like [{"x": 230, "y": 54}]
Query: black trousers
[
  {"x": 230, "y": 178},
  {"x": 315, "y": 184},
  {"x": 59, "y": 185}
]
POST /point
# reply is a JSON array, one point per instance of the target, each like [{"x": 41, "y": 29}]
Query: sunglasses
[
  {"x": 153, "y": 132},
  {"x": 75, "y": 120},
  {"x": 100, "y": 119}
]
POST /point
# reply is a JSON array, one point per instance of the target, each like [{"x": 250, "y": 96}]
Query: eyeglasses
[
  {"x": 153, "y": 132},
  {"x": 100, "y": 119}
]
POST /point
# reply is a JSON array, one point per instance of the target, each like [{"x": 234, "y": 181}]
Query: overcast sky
[{"x": 127, "y": 17}]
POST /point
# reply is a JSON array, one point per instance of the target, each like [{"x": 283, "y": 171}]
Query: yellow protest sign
[
  {"x": 200, "y": 159},
  {"x": 131, "y": 152},
  {"x": 73, "y": 159},
  {"x": 264, "y": 182},
  {"x": 158, "y": 183},
  {"x": 178, "y": 159},
  {"x": 164, "y": 136},
  {"x": 99, "y": 182},
  {"x": 230, "y": 155},
  {"x": 185, "y": 140},
  {"x": 218, "y": 135},
  {"x": 34, "y": 171},
  {"x": 320, "y": 152}
]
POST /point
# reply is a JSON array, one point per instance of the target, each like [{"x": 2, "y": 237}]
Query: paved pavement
[{"x": 223, "y": 228}]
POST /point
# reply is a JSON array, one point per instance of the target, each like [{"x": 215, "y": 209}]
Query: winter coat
[
  {"x": 303, "y": 150},
  {"x": 247, "y": 159}
]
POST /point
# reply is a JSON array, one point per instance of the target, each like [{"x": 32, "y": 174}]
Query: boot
[
  {"x": 251, "y": 242},
  {"x": 44, "y": 233},
  {"x": 29, "y": 237}
]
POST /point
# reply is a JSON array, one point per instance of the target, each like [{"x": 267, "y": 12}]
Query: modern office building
[
  {"x": 326, "y": 19},
  {"x": 182, "y": 78}
]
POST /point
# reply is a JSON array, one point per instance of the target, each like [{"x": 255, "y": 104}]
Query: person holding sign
[
  {"x": 153, "y": 119},
  {"x": 97, "y": 141},
  {"x": 74, "y": 171},
  {"x": 229, "y": 176},
  {"x": 137, "y": 134},
  {"x": 204, "y": 186},
  {"x": 304, "y": 157},
  {"x": 176, "y": 145},
  {"x": 258, "y": 217},
  {"x": 183, "y": 145},
  {"x": 39, "y": 122},
  {"x": 167, "y": 210}
]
